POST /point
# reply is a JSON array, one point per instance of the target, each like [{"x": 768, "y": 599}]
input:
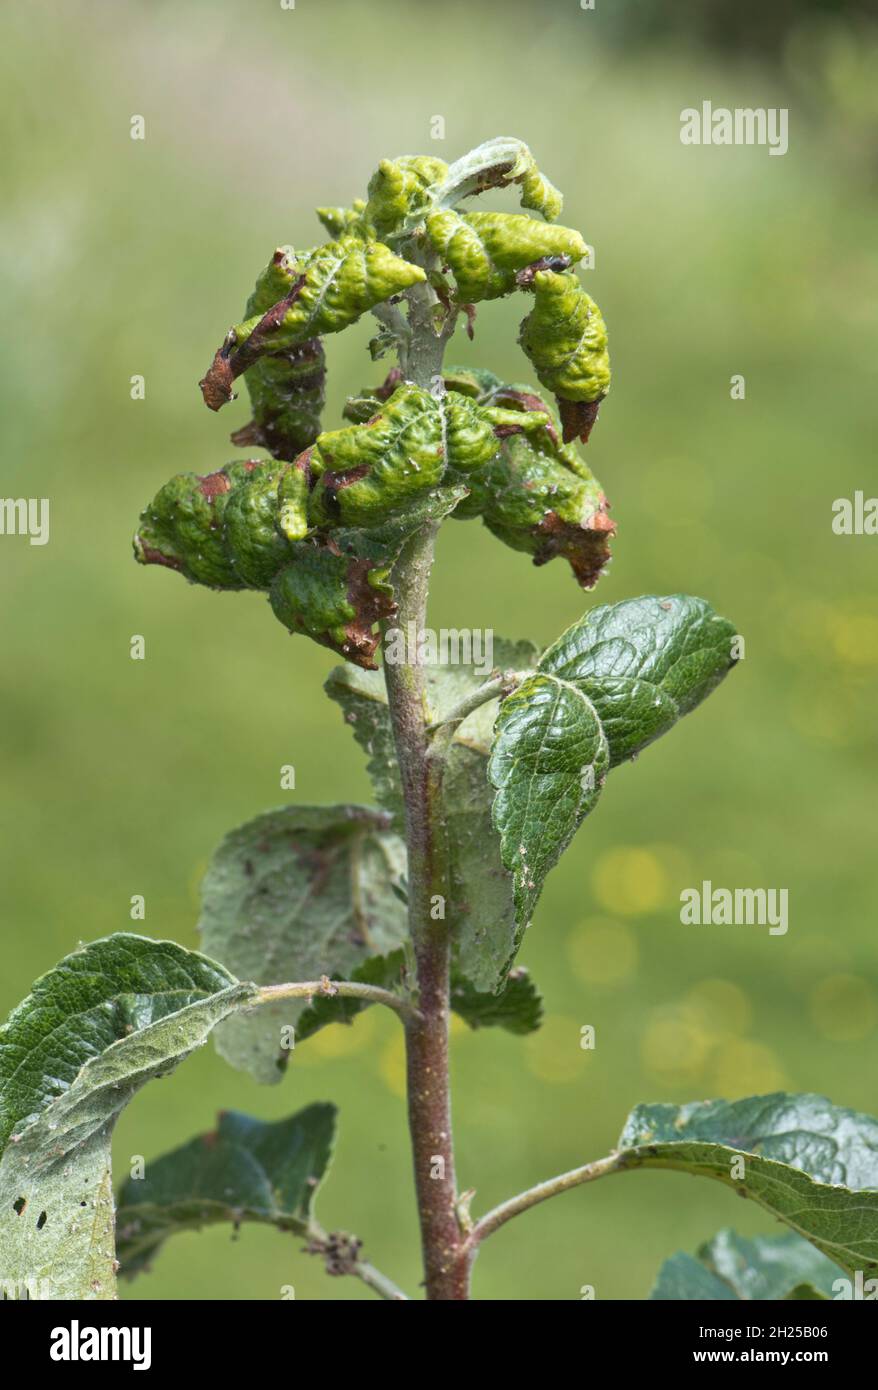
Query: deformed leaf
[
  {"x": 295, "y": 894},
  {"x": 812, "y": 1164},
  {"x": 182, "y": 528},
  {"x": 731, "y": 1267},
  {"x": 96, "y": 1028},
  {"x": 612, "y": 683},
  {"x": 326, "y": 290},
  {"x": 368, "y": 473},
  {"x": 245, "y": 1171},
  {"x": 337, "y": 585},
  {"x": 495, "y": 164},
  {"x": 565, "y": 338},
  {"x": 484, "y": 250},
  {"x": 400, "y": 191},
  {"x": 536, "y": 494}
]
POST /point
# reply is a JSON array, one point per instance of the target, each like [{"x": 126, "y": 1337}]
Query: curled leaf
[
  {"x": 334, "y": 598},
  {"x": 485, "y": 250},
  {"x": 496, "y": 164},
  {"x": 399, "y": 190},
  {"x": 565, "y": 338},
  {"x": 369, "y": 472},
  {"x": 182, "y": 528},
  {"x": 326, "y": 290},
  {"x": 536, "y": 494}
]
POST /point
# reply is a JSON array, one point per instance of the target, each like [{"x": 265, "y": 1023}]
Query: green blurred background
[{"x": 120, "y": 776}]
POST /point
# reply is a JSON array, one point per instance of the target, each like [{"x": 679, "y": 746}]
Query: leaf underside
[
  {"x": 106, "y": 1020},
  {"x": 295, "y": 894},
  {"x": 246, "y": 1170},
  {"x": 812, "y": 1164}
]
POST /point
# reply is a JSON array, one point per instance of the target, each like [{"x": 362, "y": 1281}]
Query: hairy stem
[
  {"x": 442, "y": 734},
  {"x": 498, "y": 1217},
  {"x": 429, "y": 1101},
  {"x": 348, "y": 989}
]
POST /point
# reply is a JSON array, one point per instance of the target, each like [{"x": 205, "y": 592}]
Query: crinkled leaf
[
  {"x": 643, "y": 663},
  {"x": 589, "y": 705},
  {"x": 336, "y": 586},
  {"x": 565, "y": 338},
  {"x": 370, "y": 472},
  {"x": 484, "y": 250},
  {"x": 294, "y": 894},
  {"x": 96, "y": 1028},
  {"x": 536, "y": 494},
  {"x": 246, "y": 1170},
  {"x": 324, "y": 291},
  {"x": 400, "y": 191},
  {"x": 812, "y": 1164},
  {"x": 731, "y": 1267},
  {"x": 495, "y": 164},
  {"x": 183, "y": 527}
]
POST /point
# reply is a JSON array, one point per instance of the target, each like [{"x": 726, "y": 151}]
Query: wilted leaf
[
  {"x": 246, "y": 1170},
  {"x": 295, "y": 894},
  {"x": 96, "y": 1028}
]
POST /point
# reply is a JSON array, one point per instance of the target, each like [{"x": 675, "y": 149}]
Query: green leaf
[
  {"x": 548, "y": 764},
  {"x": 337, "y": 586},
  {"x": 565, "y": 338},
  {"x": 366, "y": 474},
  {"x": 615, "y": 681},
  {"x": 294, "y": 894},
  {"x": 536, "y": 494},
  {"x": 400, "y": 191},
  {"x": 322, "y": 291},
  {"x": 486, "y": 249},
  {"x": 246, "y": 1170},
  {"x": 495, "y": 164},
  {"x": 518, "y": 1007},
  {"x": 731, "y": 1267},
  {"x": 94, "y": 1030},
  {"x": 643, "y": 663},
  {"x": 387, "y": 972},
  {"x": 812, "y": 1164},
  {"x": 480, "y": 910},
  {"x": 183, "y": 528}
]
